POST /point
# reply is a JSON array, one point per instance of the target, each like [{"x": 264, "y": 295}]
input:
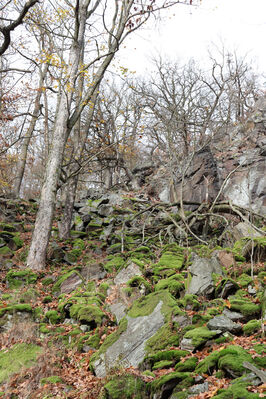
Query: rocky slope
[{"x": 143, "y": 301}]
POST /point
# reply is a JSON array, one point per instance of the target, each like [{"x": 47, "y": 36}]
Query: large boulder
[{"x": 202, "y": 270}]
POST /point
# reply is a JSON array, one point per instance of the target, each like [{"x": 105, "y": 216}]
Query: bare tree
[
  {"x": 126, "y": 17},
  {"x": 8, "y": 25}
]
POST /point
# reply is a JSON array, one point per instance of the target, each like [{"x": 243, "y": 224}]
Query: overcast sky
[{"x": 187, "y": 32}]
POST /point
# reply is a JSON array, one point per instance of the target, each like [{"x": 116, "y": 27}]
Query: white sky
[{"x": 187, "y": 32}]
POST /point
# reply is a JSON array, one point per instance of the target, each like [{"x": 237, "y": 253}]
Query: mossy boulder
[
  {"x": 115, "y": 263},
  {"x": 230, "y": 360},
  {"x": 166, "y": 383},
  {"x": 157, "y": 360},
  {"x": 124, "y": 387},
  {"x": 21, "y": 307},
  {"x": 190, "y": 302},
  {"x": 17, "y": 278},
  {"x": 200, "y": 335},
  {"x": 141, "y": 283},
  {"x": 143, "y": 321},
  {"x": 173, "y": 284},
  {"x": 70, "y": 280},
  {"x": 252, "y": 327},
  {"x": 13, "y": 359},
  {"x": 87, "y": 314},
  {"x": 53, "y": 316},
  {"x": 245, "y": 306},
  {"x": 244, "y": 280},
  {"x": 187, "y": 365},
  {"x": 169, "y": 263}
]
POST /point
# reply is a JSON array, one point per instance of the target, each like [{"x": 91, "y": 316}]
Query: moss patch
[
  {"x": 251, "y": 327},
  {"x": 200, "y": 335},
  {"x": 20, "y": 355},
  {"x": 124, "y": 387},
  {"x": 18, "y": 278}
]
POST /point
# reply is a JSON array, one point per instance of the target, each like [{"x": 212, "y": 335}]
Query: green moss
[
  {"x": 138, "y": 262},
  {"x": 244, "y": 280},
  {"x": 232, "y": 358},
  {"x": 87, "y": 313},
  {"x": 115, "y": 263},
  {"x": 262, "y": 278},
  {"x": 53, "y": 316},
  {"x": 16, "y": 308},
  {"x": 18, "y": 278},
  {"x": 30, "y": 295},
  {"x": 163, "y": 364},
  {"x": 236, "y": 391},
  {"x": 251, "y": 327},
  {"x": 47, "y": 281},
  {"x": 173, "y": 284},
  {"x": 18, "y": 241},
  {"x": 164, "y": 338},
  {"x": 109, "y": 341},
  {"x": 47, "y": 299},
  {"x": 92, "y": 341},
  {"x": 146, "y": 305},
  {"x": 245, "y": 306},
  {"x": 188, "y": 365},
  {"x": 103, "y": 288},
  {"x": 190, "y": 301},
  {"x": 207, "y": 365},
  {"x": 20, "y": 355},
  {"x": 176, "y": 377},
  {"x": 199, "y": 335},
  {"x": 139, "y": 281},
  {"x": 53, "y": 379},
  {"x": 124, "y": 387},
  {"x": 260, "y": 348},
  {"x": 5, "y": 251},
  {"x": 172, "y": 260},
  {"x": 174, "y": 354},
  {"x": 57, "y": 285},
  {"x": 7, "y": 227},
  {"x": 44, "y": 329}
]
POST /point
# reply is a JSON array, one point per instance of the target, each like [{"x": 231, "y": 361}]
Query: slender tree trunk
[
  {"x": 43, "y": 224},
  {"x": 26, "y": 140},
  {"x": 65, "y": 224}
]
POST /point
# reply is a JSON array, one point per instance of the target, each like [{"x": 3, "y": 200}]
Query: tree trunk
[
  {"x": 43, "y": 224},
  {"x": 64, "y": 225},
  {"x": 26, "y": 140}
]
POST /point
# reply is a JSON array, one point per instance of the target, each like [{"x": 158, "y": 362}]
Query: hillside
[{"x": 143, "y": 301}]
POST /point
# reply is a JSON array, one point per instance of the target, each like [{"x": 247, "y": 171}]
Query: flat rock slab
[
  {"x": 129, "y": 349},
  {"x": 234, "y": 316},
  {"x": 224, "y": 324},
  {"x": 126, "y": 274},
  {"x": 70, "y": 284},
  {"x": 201, "y": 271}
]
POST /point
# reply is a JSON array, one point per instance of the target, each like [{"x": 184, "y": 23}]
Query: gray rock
[
  {"x": 244, "y": 229},
  {"x": 223, "y": 323},
  {"x": 186, "y": 344},
  {"x": 199, "y": 388},
  {"x": 105, "y": 210},
  {"x": 126, "y": 274},
  {"x": 129, "y": 349},
  {"x": 93, "y": 272},
  {"x": 71, "y": 283},
  {"x": 84, "y": 327},
  {"x": 182, "y": 320},
  {"x": 201, "y": 271},
  {"x": 234, "y": 316},
  {"x": 118, "y": 309}
]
